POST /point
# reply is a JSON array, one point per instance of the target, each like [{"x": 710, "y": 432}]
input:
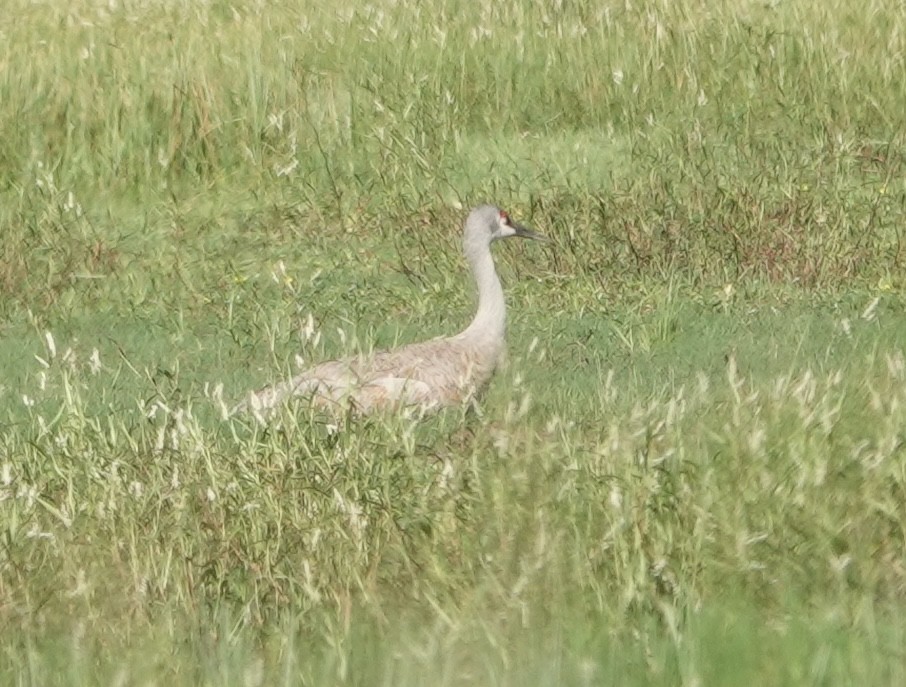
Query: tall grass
[
  {"x": 774, "y": 131},
  {"x": 691, "y": 470}
]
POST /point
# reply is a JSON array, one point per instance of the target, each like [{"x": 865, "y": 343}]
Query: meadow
[{"x": 692, "y": 469}]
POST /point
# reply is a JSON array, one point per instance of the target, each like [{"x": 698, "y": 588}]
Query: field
[{"x": 692, "y": 469}]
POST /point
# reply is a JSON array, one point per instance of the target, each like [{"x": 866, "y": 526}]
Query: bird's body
[{"x": 427, "y": 375}]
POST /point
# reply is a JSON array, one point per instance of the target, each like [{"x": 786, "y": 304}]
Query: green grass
[{"x": 692, "y": 469}]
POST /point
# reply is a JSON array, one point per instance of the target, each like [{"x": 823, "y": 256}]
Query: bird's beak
[{"x": 527, "y": 233}]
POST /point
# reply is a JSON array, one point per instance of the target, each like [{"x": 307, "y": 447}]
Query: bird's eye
[{"x": 505, "y": 218}]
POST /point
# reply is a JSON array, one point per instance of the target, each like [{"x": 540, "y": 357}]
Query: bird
[{"x": 427, "y": 375}]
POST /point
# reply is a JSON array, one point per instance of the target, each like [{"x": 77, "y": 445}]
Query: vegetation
[{"x": 692, "y": 470}]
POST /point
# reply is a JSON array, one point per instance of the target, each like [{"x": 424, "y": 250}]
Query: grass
[{"x": 691, "y": 470}]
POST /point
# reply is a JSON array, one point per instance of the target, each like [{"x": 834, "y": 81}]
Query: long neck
[{"x": 490, "y": 320}]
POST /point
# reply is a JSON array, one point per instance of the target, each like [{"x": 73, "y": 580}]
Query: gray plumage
[{"x": 428, "y": 375}]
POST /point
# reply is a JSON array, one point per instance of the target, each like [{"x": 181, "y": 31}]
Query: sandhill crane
[{"x": 428, "y": 375}]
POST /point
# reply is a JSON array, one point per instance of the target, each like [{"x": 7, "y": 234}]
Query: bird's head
[{"x": 487, "y": 223}]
